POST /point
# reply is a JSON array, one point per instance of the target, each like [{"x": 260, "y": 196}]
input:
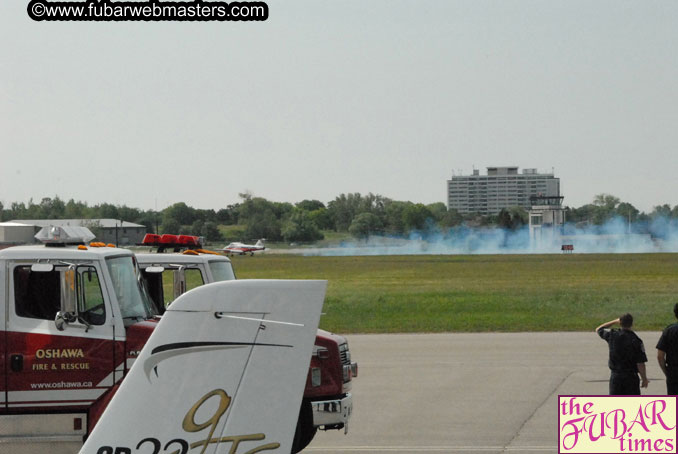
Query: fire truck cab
[
  {"x": 327, "y": 402},
  {"x": 73, "y": 316}
]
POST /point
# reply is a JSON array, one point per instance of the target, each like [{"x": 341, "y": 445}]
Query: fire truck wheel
[{"x": 305, "y": 430}]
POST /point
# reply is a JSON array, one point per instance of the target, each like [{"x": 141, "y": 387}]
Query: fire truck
[
  {"x": 327, "y": 402},
  {"x": 76, "y": 317}
]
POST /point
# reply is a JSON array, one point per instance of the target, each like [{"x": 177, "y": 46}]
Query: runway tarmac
[{"x": 472, "y": 392}]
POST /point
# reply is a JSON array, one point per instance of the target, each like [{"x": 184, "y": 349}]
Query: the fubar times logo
[{"x": 617, "y": 424}]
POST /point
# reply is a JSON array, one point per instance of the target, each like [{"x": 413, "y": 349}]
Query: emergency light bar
[
  {"x": 62, "y": 235},
  {"x": 167, "y": 241}
]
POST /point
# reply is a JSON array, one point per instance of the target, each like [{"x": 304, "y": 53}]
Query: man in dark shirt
[
  {"x": 667, "y": 355},
  {"x": 627, "y": 357}
]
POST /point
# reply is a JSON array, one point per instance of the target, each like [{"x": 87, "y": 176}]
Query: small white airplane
[
  {"x": 242, "y": 248},
  {"x": 223, "y": 372}
]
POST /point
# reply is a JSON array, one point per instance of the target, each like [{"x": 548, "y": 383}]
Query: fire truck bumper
[{"x": 333, "y": 414}]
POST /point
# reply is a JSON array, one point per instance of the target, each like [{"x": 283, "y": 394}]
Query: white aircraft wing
[{"x": 224, "y": 372}]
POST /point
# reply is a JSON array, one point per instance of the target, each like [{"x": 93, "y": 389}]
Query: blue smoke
[{"x": 615, "y": 236}]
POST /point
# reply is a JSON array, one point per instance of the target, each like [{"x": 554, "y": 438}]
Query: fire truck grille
[{"x": 345, "y": 355}]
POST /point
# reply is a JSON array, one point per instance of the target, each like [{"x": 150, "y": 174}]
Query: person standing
[
  {"x": 627, "y": 357},
  {"x": 667, "y": 355}
]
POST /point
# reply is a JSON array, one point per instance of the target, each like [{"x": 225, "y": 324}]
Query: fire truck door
[
  {"x": 57, "y": 365},
  {"x": 3, "y": 334}
]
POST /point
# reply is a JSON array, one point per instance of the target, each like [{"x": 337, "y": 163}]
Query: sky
[{"x": 323, "y": 98}]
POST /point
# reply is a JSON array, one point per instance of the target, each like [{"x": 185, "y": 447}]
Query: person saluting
[{"x": 627, "y": 357}]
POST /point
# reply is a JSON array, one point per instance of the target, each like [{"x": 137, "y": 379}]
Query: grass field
[{"x": 434, "y": 293}]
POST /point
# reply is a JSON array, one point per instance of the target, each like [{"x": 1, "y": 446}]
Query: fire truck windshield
[
  {"x": 132, "y": 296},
  {"x": 221, "y": 271}
]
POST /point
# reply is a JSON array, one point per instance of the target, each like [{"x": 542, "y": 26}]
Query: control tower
[{"x": 547, "y": 217}]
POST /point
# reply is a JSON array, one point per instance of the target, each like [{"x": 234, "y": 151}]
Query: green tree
[
  {"x": 181, "y": 213},
  {"x": 170, "y": 225},
  {"x": 211, "y": 232},
  {"x": 438, "y": 211},
  {"x": 343, "y": 209},
  {"x": 451, "y": 218},
  {"x": 262, "y": 218},
  {"x": 52, "y": 208},
  {"x": 512, "y": 218},
  {"x": 310, "y": 205},
  {"x": 300, "y": 227},
  {"x": 627, "y": 211},
  {"x": 206, "y": 215},
  {"x": 489, "y": 220},
  {"x": 263, "y": 225},
  {"x": 394, "y": 223},
  {"x": 415, "y": 216},
  {"x": 195, "y": 228},
  {"x": 584, "y": 213},
  {"x": 229, "y": 215},
  {"x": 364, "y": 225},
  {"x": 129, "y": 214},
  {"x": 661, "y": 211},
  {"x": 607, "y": 201},
  {"x": 149, "y": 219},
  {"x": 18, "y": 211},
  {"x": 282, "y": 210},
  {"x": 34, "y": 211},
  {"x": 346, "y": 207},
  {"x": 373, "y": 203},
  {"x": 605, "y": 208},
  {"x": 106, "y": 211},
  {"x": 322, "y": 219},
  {"x": 75, "y": 210}
]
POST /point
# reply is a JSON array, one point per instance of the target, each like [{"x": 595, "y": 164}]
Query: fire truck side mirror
[
  {"x": 68, "y": 312},
  {"x": 60, "y": 321}
]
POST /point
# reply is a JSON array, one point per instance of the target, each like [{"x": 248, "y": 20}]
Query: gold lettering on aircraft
[{"x": 189, "y": 425}]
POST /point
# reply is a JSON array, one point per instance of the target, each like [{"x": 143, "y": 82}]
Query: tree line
[{"x": 360, "y": 215}]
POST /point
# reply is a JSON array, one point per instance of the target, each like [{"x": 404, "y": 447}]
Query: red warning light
[
  {"x": 188, "y": 240},
  {"x": 151, "y": 238},
  {"x": 168, "y": 239}
]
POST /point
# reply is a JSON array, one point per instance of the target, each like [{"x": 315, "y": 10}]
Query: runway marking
[{"x": 434, "y": 449}]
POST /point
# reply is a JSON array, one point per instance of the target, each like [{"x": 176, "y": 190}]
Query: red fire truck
[
  {"x": 76, "y": 318},
  {"x": 327, "y": 402}
]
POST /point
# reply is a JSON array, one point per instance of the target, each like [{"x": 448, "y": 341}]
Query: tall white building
[{"x": 502, "y": 187}]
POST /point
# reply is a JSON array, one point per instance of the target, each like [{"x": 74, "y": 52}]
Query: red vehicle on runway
[{"x": 77, "y": 317}]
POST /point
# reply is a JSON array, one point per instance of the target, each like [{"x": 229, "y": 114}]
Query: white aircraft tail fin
[
  {"x": 224, "y": 372},
  {"x": 259, "y": 243}
]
